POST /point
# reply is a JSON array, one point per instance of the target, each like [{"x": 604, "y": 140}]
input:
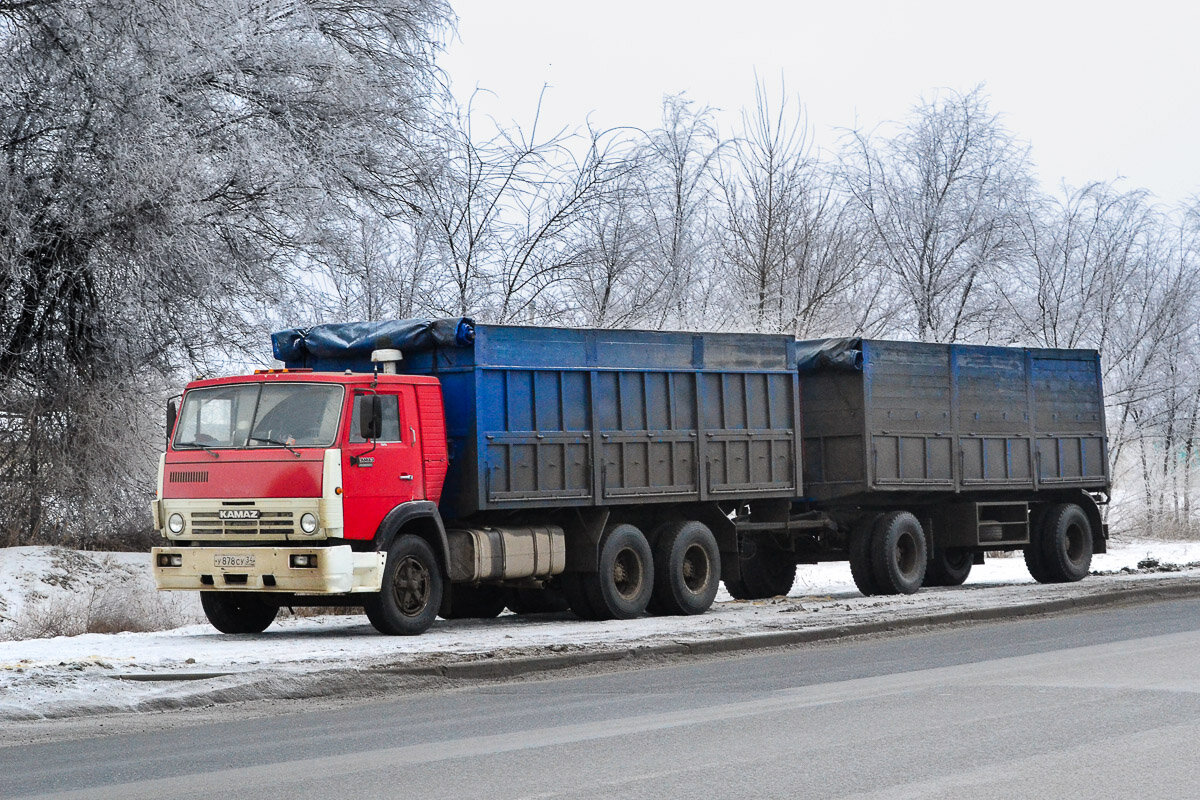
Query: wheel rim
[
  {"x": 906, "y": 555},
  {"x": 627, "y": 573},
  {"x": 411, "y": 586},
  {"x": 1074, "y": 544},
  {"x": 696, "y": 568}
]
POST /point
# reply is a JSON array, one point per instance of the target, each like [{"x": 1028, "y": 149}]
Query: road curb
[{"x": 503, "y": 668}]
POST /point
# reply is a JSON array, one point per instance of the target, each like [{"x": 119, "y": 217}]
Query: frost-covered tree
[
  {"x": 942, "y": 197},
  {"x": 164, "y": 168}
]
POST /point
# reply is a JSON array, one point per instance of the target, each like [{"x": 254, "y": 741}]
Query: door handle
[{"x": 406, "y": 477}]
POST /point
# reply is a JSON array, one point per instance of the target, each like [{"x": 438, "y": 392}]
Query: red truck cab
[{"x": 268, "y": 485}]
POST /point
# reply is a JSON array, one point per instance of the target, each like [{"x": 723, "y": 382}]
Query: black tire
[
  {"x": 476, "y": 602},
  {"x": 238, "y": 612},
  {"x": 898, "y": 554},
  {"x": 768, "y": 572},
  {"x": 949, "y": 566},
  {"x": 859, "y": 545},
  {"x": 573, "y": 587},
  {"x": 621, "y": 587},
  {"x": 411, "y": 594},
  {"x": 687, "y": 568},
  {"x": 1065, "y": 543},
  {"x": 547, "y": 600}
]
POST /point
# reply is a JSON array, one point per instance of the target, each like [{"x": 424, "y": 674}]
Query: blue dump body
[
  {"x": 562, "y": 417},
  {"x": 569, "y": 417},
  {"x": 882, "y": 417}
]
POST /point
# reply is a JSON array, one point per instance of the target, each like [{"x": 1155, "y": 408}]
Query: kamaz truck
[{"x": 426, "y": 468}]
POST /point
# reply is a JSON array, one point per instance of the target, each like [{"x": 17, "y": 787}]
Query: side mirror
[
  {"x": 172, "y": 415},
  {"x": 370, "y": 416}
]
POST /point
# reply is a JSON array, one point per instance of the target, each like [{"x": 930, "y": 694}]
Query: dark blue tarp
[
  {"x": 840, "y": 354},
  {"x": 344, "y": 342}
]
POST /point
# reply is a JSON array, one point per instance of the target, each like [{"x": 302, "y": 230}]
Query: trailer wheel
[
  {"x": 898, "y": 556},
  {"x": 238, "y": 612},
  {"x": 547, "y": 600},
  {"x": 621, "y": 587},
  {"x": 1065, "y": 544},
  {"x": 859, "y": 546},
  {"x": 768, "y": 572},
  {"x": 949, "y": 566},
  {"x": 408, "y": 600},
  {"x": 687, "y": 568},
  {"x": 476, "y": 602}
]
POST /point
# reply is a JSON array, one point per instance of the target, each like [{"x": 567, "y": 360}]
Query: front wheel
[
  {"x": 238, "y": 612},
  {"x": 411, "y": 593}
]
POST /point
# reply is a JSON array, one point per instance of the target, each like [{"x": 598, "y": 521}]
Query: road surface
[{"x": 1098, "y": 704}]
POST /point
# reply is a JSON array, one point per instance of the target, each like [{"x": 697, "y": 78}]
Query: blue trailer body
[{"x": 566, "y": 417}]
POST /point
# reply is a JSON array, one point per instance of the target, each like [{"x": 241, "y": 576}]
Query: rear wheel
[
  {"x": 898, "y": 555},
  {"x": 767, "y": 572},
  {"x": 621, "y": 587},
  {"x": 949, "y": 566},
  {"x": 238, "y": 612},
  {"x": 1064, "y": 544},
  {"x": 687, "y": 568},
  {"x": 476, "y": 602},
  {"x": 859, "y": 546},
  {"x": 408, "y": 600}
]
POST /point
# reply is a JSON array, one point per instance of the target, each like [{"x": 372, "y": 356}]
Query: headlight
[
  {"x": 308, "y": 523},
  {"x": 175, "y": 523}
]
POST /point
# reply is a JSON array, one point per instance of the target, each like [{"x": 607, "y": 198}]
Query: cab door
[{"x": 379, "y": 475}]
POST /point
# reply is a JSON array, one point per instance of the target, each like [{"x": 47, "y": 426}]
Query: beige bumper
[{"x": 338, "y": 570}]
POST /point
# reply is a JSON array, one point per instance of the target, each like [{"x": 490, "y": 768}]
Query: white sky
[{"x": 1100, "y": 89}]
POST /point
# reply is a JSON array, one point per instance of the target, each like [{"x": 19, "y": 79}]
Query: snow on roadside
[{"x": 93, "y": 672}]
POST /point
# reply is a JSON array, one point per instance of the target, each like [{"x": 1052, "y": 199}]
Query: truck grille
[{"x": 269, "y": 523}]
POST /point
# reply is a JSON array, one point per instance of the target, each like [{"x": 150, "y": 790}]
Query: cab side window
[{"x": 391, "y": 418}]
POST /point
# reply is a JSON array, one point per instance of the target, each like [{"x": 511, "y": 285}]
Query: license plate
[{"x": 227, "y": 560}]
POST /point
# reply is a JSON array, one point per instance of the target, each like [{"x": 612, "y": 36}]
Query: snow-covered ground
[{"x": 59, "y": 656}]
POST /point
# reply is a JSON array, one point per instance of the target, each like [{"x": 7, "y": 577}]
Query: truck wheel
[
  {"x": 687, "y": 568},
  {"x": 768, "y": 572},
  {"x": 898, "y": 553},
  {"x": 575, "y": 591},
  {"x": 536, "y": 601},
  {"x": 408, "y": 600},
  {"x": 859, "y": 546},
  {"x": 949, "y": 566},
  {"x": 1065, "y": 543},
  {"x": 476, "y": 602},
  {"x": 238, "y": 612},
  {"x": 621, "y": 588}
]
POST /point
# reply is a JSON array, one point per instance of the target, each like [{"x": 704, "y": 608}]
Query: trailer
[{"x": 425, "y": 468}]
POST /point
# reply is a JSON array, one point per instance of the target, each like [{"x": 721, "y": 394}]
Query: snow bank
[{"x": 91, "y": 672}]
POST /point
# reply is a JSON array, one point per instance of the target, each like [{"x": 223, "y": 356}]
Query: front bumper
[{"x": 338, "y": 570}]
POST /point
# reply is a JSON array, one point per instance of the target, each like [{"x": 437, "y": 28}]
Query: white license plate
[{"x": 227, "y": 560}]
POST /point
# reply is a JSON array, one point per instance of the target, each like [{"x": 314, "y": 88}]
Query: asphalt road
[{"x": 1098, "y": 704}]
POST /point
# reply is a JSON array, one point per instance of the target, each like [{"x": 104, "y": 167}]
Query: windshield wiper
[
  {"x": 208, "y": 448},
  {"x": 269, "y": 440}
]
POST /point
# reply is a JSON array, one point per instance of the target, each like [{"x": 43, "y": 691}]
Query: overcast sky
[{"x": 1099, "y": 89}]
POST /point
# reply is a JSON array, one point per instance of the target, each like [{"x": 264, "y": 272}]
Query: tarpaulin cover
[
  {"x": 841, "y": 354},
  {"x": 354, "y": 341}
]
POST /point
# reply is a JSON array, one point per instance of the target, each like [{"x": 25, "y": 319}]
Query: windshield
[{"x": 260, "y": 415}]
